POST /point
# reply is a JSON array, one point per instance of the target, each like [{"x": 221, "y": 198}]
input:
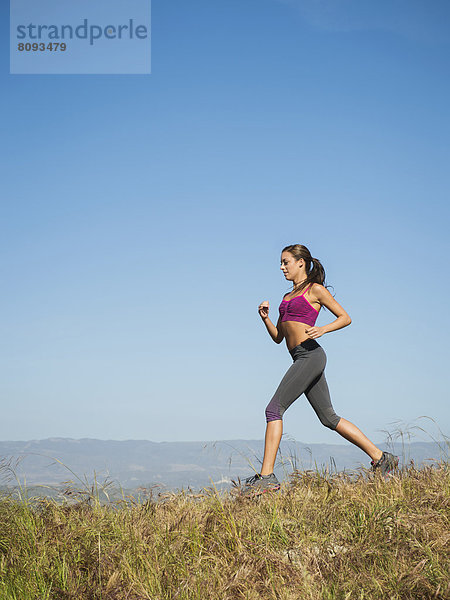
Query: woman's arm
[
  {"x": 275, "y": 332},
  {"x": 327, "y": 300}
]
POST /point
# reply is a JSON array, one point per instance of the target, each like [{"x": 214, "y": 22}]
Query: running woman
[{"x": 298, "y": 312}]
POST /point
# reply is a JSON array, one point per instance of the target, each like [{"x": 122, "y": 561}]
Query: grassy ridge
[{"x": 321, "y": 537}]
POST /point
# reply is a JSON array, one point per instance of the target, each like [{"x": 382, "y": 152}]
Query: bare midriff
[{"x": 294, "y": 333}]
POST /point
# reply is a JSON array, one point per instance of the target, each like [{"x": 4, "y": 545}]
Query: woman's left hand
[{"x": 314, "y": 332}]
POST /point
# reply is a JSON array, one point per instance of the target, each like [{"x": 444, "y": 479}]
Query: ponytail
[{"x": 314, "y": 268}]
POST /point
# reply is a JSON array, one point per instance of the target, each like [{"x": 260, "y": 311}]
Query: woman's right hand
[{"x": 263, "y": 309}]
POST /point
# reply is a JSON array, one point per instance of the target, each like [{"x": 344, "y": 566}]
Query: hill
[{"x": 322, "y": 537}]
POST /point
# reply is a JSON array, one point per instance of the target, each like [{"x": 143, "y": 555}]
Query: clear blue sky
[{"x": 142, "y": 219}]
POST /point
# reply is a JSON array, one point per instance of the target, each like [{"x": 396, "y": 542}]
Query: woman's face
[{"x": 290, "y": 267}]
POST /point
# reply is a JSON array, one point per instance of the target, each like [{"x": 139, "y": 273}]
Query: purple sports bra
[{"x": 298, "y": 309}]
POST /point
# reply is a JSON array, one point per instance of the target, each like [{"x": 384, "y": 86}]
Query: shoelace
[
  {"x": 377, "y": 463},
  {"x": 252, "y": 480}
]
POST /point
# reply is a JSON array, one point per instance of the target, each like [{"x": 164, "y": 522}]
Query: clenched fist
[{"x": 263, "y": 309}]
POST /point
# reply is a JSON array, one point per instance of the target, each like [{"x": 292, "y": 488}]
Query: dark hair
[{"x": 314, "y": 269}]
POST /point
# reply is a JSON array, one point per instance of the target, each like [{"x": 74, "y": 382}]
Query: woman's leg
[
  {"x": 274, "y": 431},
  {"x": 319, "y": 398},
  {"x": 351, "y": 433},
  {"x": 298, "y": 377}
]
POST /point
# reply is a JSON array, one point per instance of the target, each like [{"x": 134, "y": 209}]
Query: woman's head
[{"x": 297, "y": 264}]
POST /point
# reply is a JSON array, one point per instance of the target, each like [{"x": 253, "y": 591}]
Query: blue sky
[{"x": 142, "y": 219}]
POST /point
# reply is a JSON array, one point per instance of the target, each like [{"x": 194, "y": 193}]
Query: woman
[{"x": 296, "y": 324}]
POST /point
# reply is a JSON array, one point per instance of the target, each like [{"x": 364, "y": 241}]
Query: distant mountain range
[{"x": 134, "y": 464}]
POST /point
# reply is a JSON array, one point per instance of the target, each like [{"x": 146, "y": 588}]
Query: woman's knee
[{"x": 329, "y": 419}]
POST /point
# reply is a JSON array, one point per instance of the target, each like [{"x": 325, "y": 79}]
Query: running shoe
[
  {"x": 259, "y": 484},
  {"x": 387, "y": 463}
]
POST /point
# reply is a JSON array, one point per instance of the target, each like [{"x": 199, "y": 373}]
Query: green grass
[{"x": 322, "y": 537}]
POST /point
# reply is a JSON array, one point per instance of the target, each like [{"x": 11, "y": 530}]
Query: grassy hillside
[{"x": 321, "y": 537}]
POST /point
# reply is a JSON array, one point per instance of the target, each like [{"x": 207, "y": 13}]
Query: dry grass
[{"x": 321, "y": 537}]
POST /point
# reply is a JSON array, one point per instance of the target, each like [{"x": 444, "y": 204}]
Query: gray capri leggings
[{"x": 305, "y": 376}]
